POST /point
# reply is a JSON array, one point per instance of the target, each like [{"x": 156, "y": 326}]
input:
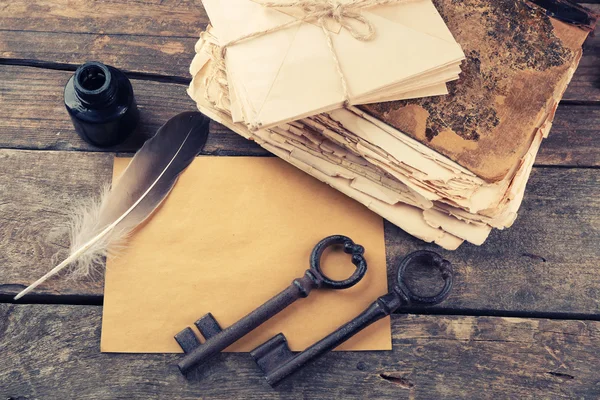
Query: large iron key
[{"x": 277, "y": 361}]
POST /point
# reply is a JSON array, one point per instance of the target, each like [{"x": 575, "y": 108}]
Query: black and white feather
[{"x": 103, "y": 225}]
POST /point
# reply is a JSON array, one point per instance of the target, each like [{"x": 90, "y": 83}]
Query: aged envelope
[
  {"x": 265, "y": 70},
  {"x": 233, "y": 233}
]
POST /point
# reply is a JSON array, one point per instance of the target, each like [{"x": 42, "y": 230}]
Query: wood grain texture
[
  {"x": 545, "y": 263},
  {"x": 585, "y": 85},
  {"x": 133, "y": 54},
  {"x": 574, "y": 138},
  {"x": 32, "y": 116},
  {"x": 163, "y": 18},
  {"x": 155, "y": 37},
  {"x": 53, "y": 352},
  {"x": 36, "y": 195},
  {"x": 152, "y": 37}
]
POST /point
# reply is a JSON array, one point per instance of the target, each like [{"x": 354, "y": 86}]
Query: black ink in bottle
[{"x": 100, "y": 101}]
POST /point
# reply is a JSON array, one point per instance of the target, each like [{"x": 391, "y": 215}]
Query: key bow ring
[
  {"x": 431, "y": 260},
  {"x": 357, "y": 251}
]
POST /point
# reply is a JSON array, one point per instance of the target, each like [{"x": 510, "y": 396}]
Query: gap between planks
[
  {"x": 78, "y": 300},
  {"x": 181, "y": 80},
  {"x": 142, "y": 76}
]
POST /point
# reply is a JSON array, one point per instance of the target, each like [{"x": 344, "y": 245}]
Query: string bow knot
[{"x": 345, "y": 14}]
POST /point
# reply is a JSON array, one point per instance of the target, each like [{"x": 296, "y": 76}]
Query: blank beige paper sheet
[{"x": 234, "y": 232}]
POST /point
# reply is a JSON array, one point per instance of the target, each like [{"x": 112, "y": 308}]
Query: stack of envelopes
[
  {"x": 445, "y": 168},
  {"x": 287, "y": 74}
]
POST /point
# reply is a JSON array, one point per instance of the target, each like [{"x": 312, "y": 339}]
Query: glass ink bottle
[{"x": 100, "y": 101}]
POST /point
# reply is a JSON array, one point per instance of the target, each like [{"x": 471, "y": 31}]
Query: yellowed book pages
[{"x": 233, "y": 233}]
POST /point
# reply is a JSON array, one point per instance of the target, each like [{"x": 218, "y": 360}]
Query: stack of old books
[{"x": 355, "y": 93}]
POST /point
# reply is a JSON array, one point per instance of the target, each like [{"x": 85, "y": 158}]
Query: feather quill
[{"x": 141, "y": 188}]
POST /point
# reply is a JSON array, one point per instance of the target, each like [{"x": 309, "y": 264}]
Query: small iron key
[
  {"x": 218, "y": 339},
  {"x": 277, "y": 361}
]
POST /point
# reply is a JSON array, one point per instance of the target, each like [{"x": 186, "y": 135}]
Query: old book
[{"x": 519, "y": 62}]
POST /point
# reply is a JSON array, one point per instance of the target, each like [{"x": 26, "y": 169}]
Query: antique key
[
  {"x": 218, "y": 339},
  {"x": 277, "y": 361}
]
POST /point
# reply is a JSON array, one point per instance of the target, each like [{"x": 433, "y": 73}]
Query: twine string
[{"x": 346, "y": 14}]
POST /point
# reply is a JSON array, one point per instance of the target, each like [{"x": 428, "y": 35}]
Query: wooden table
[{"x": 523, "y": 320}]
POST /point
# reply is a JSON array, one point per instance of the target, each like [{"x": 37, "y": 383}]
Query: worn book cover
[{"x": 519, "y": 62}]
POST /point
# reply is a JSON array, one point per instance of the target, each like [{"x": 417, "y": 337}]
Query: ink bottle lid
[{"x": 101, "y": 104}]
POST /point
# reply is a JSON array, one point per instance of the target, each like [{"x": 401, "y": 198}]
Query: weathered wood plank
[
  {"x": 37, "y": 190},
  {"x": 574, "y": 139},
  {"x": 32, "y": 116},
  {"x": 167, "y": 56},
  {"x": 153, "y": 37},
  {"x": 53, "y": 352},
  {"x": 585, "y": 85},
  {"x": 546, "y": 262},
  {"x": 121, "y": 17}
]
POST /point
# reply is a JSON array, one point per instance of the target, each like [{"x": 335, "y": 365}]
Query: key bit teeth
[
  {"x": 273, "y": 353},
  {"x": 208, "y": 326},
  {"x": 187, "y": 340}
]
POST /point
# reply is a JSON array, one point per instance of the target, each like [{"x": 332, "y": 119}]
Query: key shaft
[{"x": 382, "y": 307}]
